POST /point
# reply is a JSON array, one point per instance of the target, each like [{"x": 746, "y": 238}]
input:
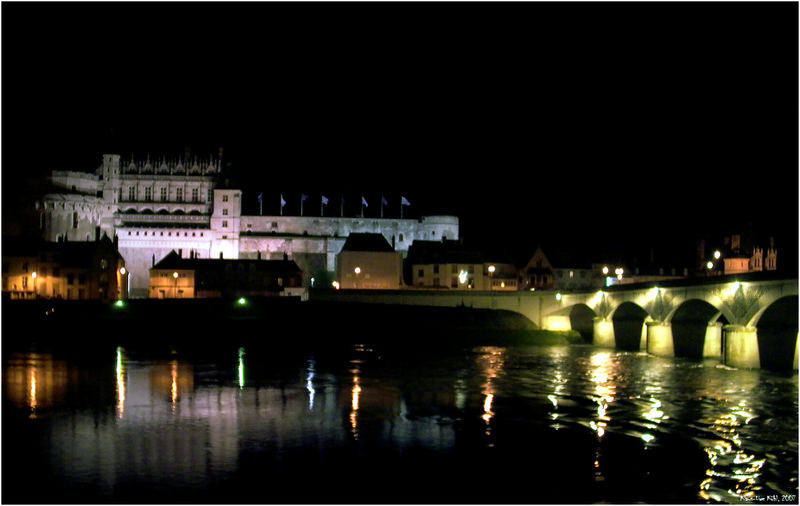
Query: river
[{"x": 376, "y": 423}]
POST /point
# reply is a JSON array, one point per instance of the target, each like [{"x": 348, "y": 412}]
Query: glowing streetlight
[
  {"x": 605, "y": 269},
  {"x": 357, "y": 270},
  {"x": 492, "y": 268},
  {"x": 717, "y": 254},
  {"x": 710, "y": 265},
  {"x": 122, "y": 270},
  {"x": 34, "y": 275},
  {"x": 558, "y": 296},
  {"x": 175, "y": 275}
]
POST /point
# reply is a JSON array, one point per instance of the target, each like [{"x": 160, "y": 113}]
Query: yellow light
[
  {"x": 122, "y": 270},
  {"x": 717, "y": 254},
  {"x": 357, "y": 270},
  {"x": 335, "y": 285},
  {"x": 33, "y": 275},
  {"x": 175, "y": 275},
  {"x": 502, "y": 284},
  {"x": 605, "y": 269},
  {"x": 558, "y": 296},
  {"x": 709, "y": 265},
  {"x": 492, "y": 268}
]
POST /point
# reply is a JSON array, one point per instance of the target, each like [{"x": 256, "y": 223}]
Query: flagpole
[
  {"x": 362, "y": 205},
  {"x": 281, "y": 204},
  {"x": 401, "y": 207},
  {"x": 381, "y": 205},
  {"x": 301, "y": 204},
  {"x": 341, "y": 213}
]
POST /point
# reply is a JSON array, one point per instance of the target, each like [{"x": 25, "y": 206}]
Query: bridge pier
[
  {"x": 659, "y": 339},
  {"x": 712, "y": 345},
  {"x": 556, "y": 322},
  {"x": 603, "y": 334},
  {"x": 741, "y": 347}
]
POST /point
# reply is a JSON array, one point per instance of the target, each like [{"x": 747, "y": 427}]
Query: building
[
  {"x": 86, "y": 270},
  {"x": 369, "y": 261},
  {"x": 538, "y": 273},
  {"x": 175, "y": 277},
  {"x": 735, "y": 255},
  {"x": 447, "y": 265},
  {"x": 155, "y": 207}
]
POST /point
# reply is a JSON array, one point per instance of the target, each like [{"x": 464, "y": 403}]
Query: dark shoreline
[{"x": 273, "y": 321}]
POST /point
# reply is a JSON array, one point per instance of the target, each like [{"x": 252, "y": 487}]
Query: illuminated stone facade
[{"x": 157, "y": 207}]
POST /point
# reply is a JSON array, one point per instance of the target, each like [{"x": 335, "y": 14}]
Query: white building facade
[{"x": 158, "y": 207}]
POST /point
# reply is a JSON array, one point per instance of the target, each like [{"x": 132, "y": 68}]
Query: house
[
  {"x": 176, "y": 277},
  {"x": 367, "y": 260},
  {"x": 448, "y": 265},
  {"x": 538, "y": 273},
  {"x": 86, "y": 270}
]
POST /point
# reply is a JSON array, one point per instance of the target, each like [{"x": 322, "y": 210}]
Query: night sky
[{"x": 590, "y": 127}]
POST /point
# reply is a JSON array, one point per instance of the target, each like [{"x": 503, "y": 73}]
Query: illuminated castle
[{"x": 157, "y": 207}]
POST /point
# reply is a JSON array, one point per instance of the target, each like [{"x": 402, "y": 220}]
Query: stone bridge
[{"x": 745, "y": 320}]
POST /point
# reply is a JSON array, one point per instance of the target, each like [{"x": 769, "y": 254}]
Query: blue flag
[
  {"x": 260, "y": 196},
  {"x": 303, "y": 197},
  {"x": 324, "y": 199},
  {"x": 364, "y": 202},
  {"x": 404, "y": 202}
]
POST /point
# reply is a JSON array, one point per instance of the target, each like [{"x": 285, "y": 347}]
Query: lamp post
[
  {"x": 175, "y": 276},
  {"x": 491, "y": 270},
  {"x": 357, "y": 270},
  {"x": 34, "y": 275}
]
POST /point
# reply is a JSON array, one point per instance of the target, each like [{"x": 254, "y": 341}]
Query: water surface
[{"x": 368, "y": 423}]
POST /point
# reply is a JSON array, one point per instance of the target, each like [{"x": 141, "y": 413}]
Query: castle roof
[{"x": 359, "y": 241}]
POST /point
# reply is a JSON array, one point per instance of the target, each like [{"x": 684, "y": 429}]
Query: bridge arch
[
  {"x": 778, "y": 333},
  {"x": 689, "y": 322},
  {"x": 628, "y": 320},
  {"x": 581, "y": 319}
]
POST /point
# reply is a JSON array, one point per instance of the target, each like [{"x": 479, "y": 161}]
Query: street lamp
[
  {"x": 34, "y": 276},
  {"x": 357, "y": 270},
  {"x": 717, "y": 254},
  {"x": 491, "y": 270},
  {"x": 175, "y": 276}
]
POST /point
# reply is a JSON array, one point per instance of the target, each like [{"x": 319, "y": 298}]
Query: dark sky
[{"x": 592, "y": 126}]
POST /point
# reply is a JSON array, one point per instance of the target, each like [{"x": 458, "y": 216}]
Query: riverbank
[{"x": 272, "y": 320}]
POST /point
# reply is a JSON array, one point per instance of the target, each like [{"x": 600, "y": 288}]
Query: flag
[
  {"x": 364, "y": 202},
  {"x": 283, "y": 202},
  {"x": 324, "y": 199},
  {"x": 404, "y": 202},
  {"x": 260, "y": 197},
  {"x": 384, "y": 201},
  {"x": 303, "y": 197}
]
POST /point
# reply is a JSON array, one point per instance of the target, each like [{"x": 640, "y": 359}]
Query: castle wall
[{"x": 192, "y": 217}]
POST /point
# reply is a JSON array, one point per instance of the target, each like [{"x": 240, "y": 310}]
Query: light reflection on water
[{"x": 189, "y": 423}]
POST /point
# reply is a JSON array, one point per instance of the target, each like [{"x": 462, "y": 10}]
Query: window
[
  {"x": 24, "y": 266},
  {"x": 436, "y": 268},
  {"x": 163, "y": 194},
  {"x": 224, "y": 198},
  {"x": 148, "y": 194},
  {"x": 454, "y": 283},
  {"x": 401, "y": 237},
  {"x": 225, "y": 224},
  {"x": 179, "y": 195},
  {"x": 195, "y": 195},
  {"x": 224, "y": 212},
  {"x": 75, "y": 220},
  {"x": 132, "y": 193},
  {"x": 70, "y": 279},
  {"x": 421, "y": 273}
]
